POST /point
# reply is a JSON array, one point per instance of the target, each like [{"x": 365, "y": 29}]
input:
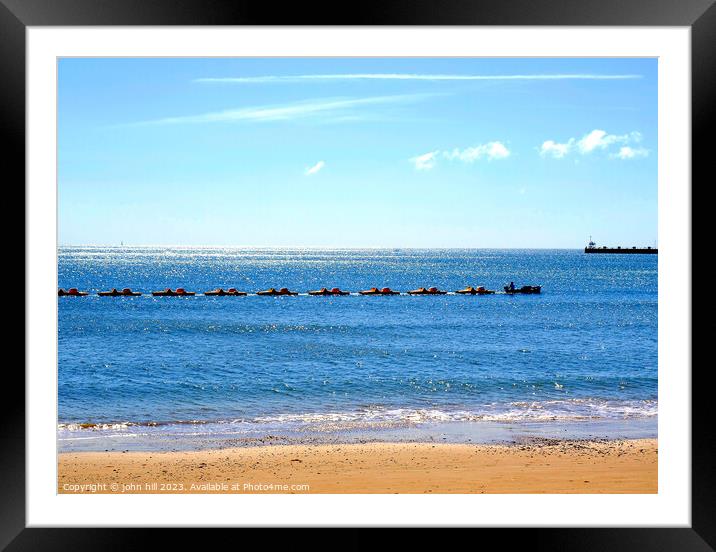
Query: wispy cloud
[
  {"x": 327, "y": 108},
  {"x": 426, "y": 161},
  {"x": 489, "y": 151},
  {"x": 268, "y": 79},
  {"x": 627, "y": 152},
  {"x": 315, "y": 168},
  {"x": 595, "y": 140}
]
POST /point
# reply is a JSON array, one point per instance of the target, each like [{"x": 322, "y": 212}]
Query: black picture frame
[{"x": 17, "y": 15}]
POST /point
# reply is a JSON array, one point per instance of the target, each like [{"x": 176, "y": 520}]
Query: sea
[{"x": 578, "y": 360}]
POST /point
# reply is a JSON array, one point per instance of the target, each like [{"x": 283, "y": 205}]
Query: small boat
[
  {"x": 219, "y": 292},
  {"x": 429, "y": 291},
  {"x": 273, "y": 291},
  {"x": 114, "y": 292},
  {"x": 179, "y": 292},
  {"x": 479, "y": 290},
  {"x": 72, "y": 292},
  {"x": 332, "y": 291},
  {"x": 524, "y": 289},
  {"x": 376, "y": 291}
]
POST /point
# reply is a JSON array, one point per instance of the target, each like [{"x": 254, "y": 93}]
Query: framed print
[{"x": 424, "y": 267}]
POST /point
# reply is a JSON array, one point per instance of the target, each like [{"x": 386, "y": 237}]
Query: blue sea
[{"x": 186, "y": 372}]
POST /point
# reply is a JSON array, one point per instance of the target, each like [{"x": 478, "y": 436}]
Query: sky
[{"x": 352, "y": 152}]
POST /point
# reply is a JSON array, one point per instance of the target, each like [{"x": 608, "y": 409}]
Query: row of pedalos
[{"x": 219, "y": 292}]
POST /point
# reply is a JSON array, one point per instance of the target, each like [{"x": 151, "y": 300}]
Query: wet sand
[{"x": 543, "y": 466}]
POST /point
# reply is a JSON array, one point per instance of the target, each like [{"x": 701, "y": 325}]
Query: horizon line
[{"x": 215, "y": 246}]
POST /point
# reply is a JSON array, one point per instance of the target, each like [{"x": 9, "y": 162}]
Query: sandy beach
[{"x": 545, "y": 466}]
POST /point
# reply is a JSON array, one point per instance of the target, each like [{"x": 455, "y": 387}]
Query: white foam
[{"x": 521, "y": 411}]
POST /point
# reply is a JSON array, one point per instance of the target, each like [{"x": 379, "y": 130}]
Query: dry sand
[{"x": 548, "y": 466}]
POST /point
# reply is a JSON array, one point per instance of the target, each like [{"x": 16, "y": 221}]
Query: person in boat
[
  {"x": 524, "y": 289},
  {"x": 512, "y": 286},
  {"x": 429, "y": 291},
  {"x": 332, "y": 291},
  {"x": 273, "y": 291},
  {"x": 72, "y": 292},
  {"x": 376, "y": 291}
]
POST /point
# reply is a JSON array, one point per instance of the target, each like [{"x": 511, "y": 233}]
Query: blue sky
[{"x": 346, "y": 152}]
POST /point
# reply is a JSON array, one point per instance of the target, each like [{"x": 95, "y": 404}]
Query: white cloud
[
  {"x": 595, "y": 140},
  {"x": 315, "y": 168},
  {"x": 626, "y": 152},
  {"x": 426, "y": 161},
  {"x": 599, "y": 139},
  {"x": 267, "y": 79},
  {"x": 489, "y": 151},
  {"x": 326, "y": 108},
  {"x": 551, "y": 148}
]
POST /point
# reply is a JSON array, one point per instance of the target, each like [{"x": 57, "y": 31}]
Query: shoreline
[
  {"x": 542, "y": 466},
  {"x": 207, "y": 436}
]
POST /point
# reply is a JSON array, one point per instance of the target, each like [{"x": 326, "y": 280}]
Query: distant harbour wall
[{"x": 625, "y": 250}]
